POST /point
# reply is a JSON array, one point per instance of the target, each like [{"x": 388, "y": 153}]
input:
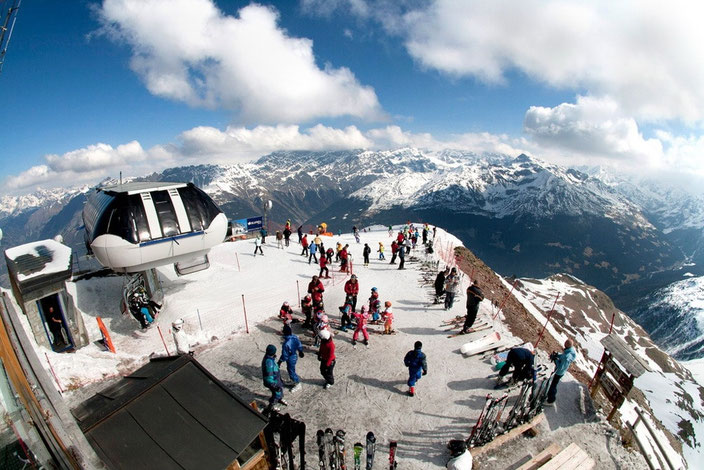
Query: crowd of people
[{"x": 317, "y": 322}]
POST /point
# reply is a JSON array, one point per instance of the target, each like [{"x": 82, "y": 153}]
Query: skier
[
  {"x": 394, "y": 252},
  {"x": 271, "y": 376},
  {"x": 388, "y": 316},
  {"x": 263, "y": 233},
  {"x": 452, "y": 283},
  {"x": 417, "y": 364},
  {"x": 307, "y": 309},
  {"x": 279, "y": 240},
  {"x": 562, "y": 363},
  {"x": 291, "y": 349},
  {"x": 381, "y": 252},
  {"x": 258, "y": 245},
  {"x": 362, "y": 319},
  {"x": 474, "y": 296},
  {"x": 313, "y": 253},
  {"x": 356, "y": 235},
  {"x": 304, "y": 244},
  {"x": 328, "y": 254},
  {"x": 374, "y": 305},
  {"x": 338, "y": 249},
  {"x": 391, "y": 231},
  {"x": 287, "y": 234},
  {"x": 365, "y": 254},
  {"x": 352, "y": 289},
  {"x": 346, "y": 311},
  {"x": 401, "y": 257},
  {"x": 440, "y": 284},
  {"x": 326, "y": 356},
  {"x": 425, "y": 234},
  {"x": 300, "y": 234},
  {"x": 316, "y": 289},
  {"x": 286, "y": 314},
  {"x": 324, "y": 267},
  {"x": 460, "y": 458},
  {"x": 183, "y": 346},
  {"x": 522, "y": 361},
  {"x": 343, "y": 259}
]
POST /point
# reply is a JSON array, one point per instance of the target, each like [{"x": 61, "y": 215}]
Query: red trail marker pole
[
  {"x": 504, "y": 301},
  {"x": 162, "y": 340},
  {"x": 244, "y": 308},
  {"x": 535, "y": 346},
  {"x": 51, "y": 368},
  {"x": 611, "y": 327}
]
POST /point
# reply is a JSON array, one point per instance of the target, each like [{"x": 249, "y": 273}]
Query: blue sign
[{"x": 246, "y": 225}]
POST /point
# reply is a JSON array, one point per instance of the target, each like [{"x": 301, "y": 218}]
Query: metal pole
[
  {"x": 244, "y": 308},
  {"x": 640, "y": 444},
  {"x": 504, "y": 301},
  {"x": 162, "y": 340},
  {"x": 652, "y": 433},
  {"x": 611, "y": 327}
]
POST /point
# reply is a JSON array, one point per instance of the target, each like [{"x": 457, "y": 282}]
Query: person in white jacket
[
  {"x": 460, "y": 459},
  {"x": 183, "y": 345}
]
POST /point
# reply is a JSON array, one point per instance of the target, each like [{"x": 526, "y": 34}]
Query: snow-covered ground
[{"x": 370, "y": 388}]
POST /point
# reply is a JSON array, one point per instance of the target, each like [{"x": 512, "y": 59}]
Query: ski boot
[{"x": 411, "y": 391}]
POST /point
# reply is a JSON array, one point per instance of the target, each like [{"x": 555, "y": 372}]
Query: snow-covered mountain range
[{"x": 521, "y": 215}]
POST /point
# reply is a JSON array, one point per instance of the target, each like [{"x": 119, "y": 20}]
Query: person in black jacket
[
  {"x": 365, "y": 254},
  {"x": 440, "y": 284},
  {"x": 522, "y": 361},
  {"x": 474, "y": 296},
  {"x": 417, "y": 365}
]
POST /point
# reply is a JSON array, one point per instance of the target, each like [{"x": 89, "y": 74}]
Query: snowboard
[
  {"x": 320, "y": 440},
  {"x": 485, "y": 343},
  {"x": 330, "y": 449},
  {"x": 358, "y": 455},
  {"x": 371, "y": 447},
  {"x": 339, "y": 441}
]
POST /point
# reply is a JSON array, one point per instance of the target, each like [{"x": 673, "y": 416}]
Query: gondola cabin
[{"x": 134, "y": 227}]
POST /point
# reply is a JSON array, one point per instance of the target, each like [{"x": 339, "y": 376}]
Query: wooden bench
[
  {"x": 535, "y": 463},
  {"x": 572, "y": 457}
]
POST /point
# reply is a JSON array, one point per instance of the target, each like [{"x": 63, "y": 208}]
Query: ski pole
[
  {"x": 535, "y": 347},
  {"x": 504, "y": 300},
  {"x": 162, "y": 340},
  {"x": 244, "y": 309}
]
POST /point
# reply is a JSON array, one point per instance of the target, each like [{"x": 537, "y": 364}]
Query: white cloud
[
  {"x": 593, "y": 129},
  {"x": 644, "y": 54},
  {"x": 188, "y": 50}
]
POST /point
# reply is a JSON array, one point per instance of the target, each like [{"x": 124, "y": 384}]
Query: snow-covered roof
[
  {"x": 40, "y": 258},
  {"x": 142, "y": 186}
]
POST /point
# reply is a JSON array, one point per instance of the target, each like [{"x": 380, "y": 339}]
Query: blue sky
[{"x": 93, "y": 88}]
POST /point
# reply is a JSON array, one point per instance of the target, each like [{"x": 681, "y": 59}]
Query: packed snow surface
[{"x": 370, "y": 383}]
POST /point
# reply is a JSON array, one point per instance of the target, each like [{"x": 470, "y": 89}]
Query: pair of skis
[{"x": 331, "y": 449}]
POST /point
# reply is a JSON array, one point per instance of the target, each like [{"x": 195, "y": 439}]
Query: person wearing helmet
[
  {"x": 374, "y": 305},
  {"x": 290, "y": 350},
  {"x": 271, "y": 376},
  {"x": 323, "y": 323},
  {"x": 286, "y": 313},
  {"x": 417, "y": 365},
  {"x": 388, "y": 317},
  {"x": 344, "y": 259},
  {"x": 180, "y": 337},
  {"x": 401, "y": 256},
  {"x": 440, "y": 284},
  {"x": 362, "y": 319},
  {"x": 326, "y": 356},
  {"x": 316, "y": 289},
  {"x": 352, "y": 289},
  {"x": 307, "y": 308}
]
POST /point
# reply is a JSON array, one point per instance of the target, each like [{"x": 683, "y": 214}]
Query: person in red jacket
[
  {"x": 316, "y": 289},
  {"x": 304, "y": 244},
  {"x": 343, "y": 259},
  {"x": 352, "y": 289},
  {"x": 324, "y": 267},
  {"x": 362, "y": 319},
  {"x": 394, "y": 252},
  {"x": 326, "y": 356}
]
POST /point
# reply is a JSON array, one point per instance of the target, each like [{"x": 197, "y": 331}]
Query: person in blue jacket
[
  {"x": 417, "y": 365},
  {"x": 313, "y": 248},
  {"x": 290, "y": 350},
  {"x": 562, "y": 363},
  {"x": 271, "y": 376}
]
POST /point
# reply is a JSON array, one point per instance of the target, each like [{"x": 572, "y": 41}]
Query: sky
[{"x": 89, "y": 88}]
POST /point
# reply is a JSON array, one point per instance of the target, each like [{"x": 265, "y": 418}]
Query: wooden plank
[
  {"x": 571, "y": 458},
  {"x": 502, "y": 439},
  {"x": 541, "y": 458},
  {"x": 623, "y": 353}
]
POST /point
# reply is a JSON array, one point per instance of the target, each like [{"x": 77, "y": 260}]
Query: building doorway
[{"x": 55, "y": 324}]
